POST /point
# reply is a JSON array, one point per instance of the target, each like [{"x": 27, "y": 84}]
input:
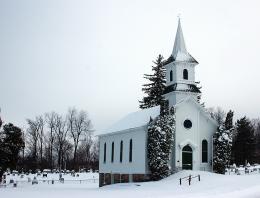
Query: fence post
[
  {"x": 189, "y": 179},
  {"x": 199, "y": 177},
  {"x": 180, "y": 181}
]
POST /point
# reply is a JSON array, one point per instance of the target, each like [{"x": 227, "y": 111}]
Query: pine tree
[
  {"x": 11, "y": 143},
  {"x": 244, "y": 144},
  {"x": 1, "y": 122},
  {"x": 155, "y": 88},
  {"x": 223, "y": 144},
  {"x": 160, "y": 138},
  {"x": 229, "y": 120}
]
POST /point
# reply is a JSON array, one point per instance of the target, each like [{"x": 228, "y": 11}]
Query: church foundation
[{"x": 108, "y": 178}]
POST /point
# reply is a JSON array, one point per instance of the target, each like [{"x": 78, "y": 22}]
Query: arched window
[
  {"x": 185, "y": 74},
  {"x": 112, "y": 152},
  {"x": 204, "y": 151},
  {"x": 105, "y": 152},
  {"x": 131, "y": 150},
  {"x": 121, "y": 151},
  {"x": 171, "y": 75}
]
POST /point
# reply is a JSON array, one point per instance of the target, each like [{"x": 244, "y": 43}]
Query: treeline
[
  {"x": 55, "y": 141},
  {"x": 246, "y": 141},
  {"x": 237, "y": 142}
]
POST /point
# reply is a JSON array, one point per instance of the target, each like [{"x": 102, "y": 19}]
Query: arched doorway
[{"x": 187, "y": 158}]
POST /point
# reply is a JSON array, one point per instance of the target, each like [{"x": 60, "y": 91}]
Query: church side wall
[
  {"x": 125, "y": 170},
  {"x": 207, "y": 133}
]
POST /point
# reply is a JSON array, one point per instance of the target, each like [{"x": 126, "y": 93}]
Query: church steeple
[
  {"x": 179, "y": 52},
  {"x": 180, "y": 71},
  {"x": 179, "y": 43}
]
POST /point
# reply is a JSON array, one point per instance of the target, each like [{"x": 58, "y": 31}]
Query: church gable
[
  {"x": 194, "y": 126},
  {"x": 197, "y": 107}
]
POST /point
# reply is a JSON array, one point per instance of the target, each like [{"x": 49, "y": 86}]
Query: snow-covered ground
[{"x": 211, "y": 185}]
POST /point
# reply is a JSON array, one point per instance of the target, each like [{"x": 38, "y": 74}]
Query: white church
[{"x": 123, "y": 146}]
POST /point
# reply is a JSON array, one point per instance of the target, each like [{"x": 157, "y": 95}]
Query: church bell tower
[{"x": 180, "y": 72}]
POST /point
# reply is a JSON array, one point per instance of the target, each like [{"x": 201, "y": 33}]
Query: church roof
[
  {"x": 142, "y": 118},
  {"x": 134, "y": 120},
  {"x": 179, "y": 52}
]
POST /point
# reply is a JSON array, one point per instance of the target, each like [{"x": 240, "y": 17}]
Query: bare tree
[
  {"x": 79, "y": 126},
  {"x": 217, "y": 114},
  {"x": 40, "y": 122},
  {"x": 60, "y": 131},
  {"x": 84, "y": 153},
  {"x": 53, "y": 140},
  {"x": 95, "y": 155},
  {"x": 33, "y": 136},
  {"x": 51, "y": 120}
]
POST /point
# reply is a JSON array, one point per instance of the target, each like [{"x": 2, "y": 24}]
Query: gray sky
[{"x": 93, "y": 54}]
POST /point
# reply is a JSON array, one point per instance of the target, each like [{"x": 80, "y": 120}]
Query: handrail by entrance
[{"x": 189, "y": 178}]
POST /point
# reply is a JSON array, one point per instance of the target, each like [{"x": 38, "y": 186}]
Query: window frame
[
  {"x": 121, "y": 151},
  {"x": 131, "y": 150},
  {"x": 204, "y": 151},
  {"x": 185, "y": 74},
  {"x": 105, "y": 153},
  {"x": 112, "y": 152}
]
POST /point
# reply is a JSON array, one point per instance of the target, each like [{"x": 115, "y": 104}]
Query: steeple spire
[
  {"x": 179, "y": 44},
  {"x": 179, "y": 52}
]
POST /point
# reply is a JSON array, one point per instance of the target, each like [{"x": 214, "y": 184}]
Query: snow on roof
[{"x": 134, "y": 120}]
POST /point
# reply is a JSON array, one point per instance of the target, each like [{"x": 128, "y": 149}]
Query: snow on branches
[
  {"x": 160, "y": 138},
  {"x": 156, "y": 85},
  {"x": 223, "y": 144}
]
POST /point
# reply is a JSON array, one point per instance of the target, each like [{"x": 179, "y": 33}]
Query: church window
[
  {"x": 204, "y": 151},
  {"x": 105, "y": 152},
  {"x": 121, "y": 151},
  {"x": 112, "y": 153},
  {"x": 171, "y": 75},
  {"x": 185, "y": 74},
  {"x": 130, "y": 150},
  {"x": 187, "y": 124}
]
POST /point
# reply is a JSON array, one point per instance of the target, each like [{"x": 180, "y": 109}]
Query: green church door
[{"x": 187, "y": 158}]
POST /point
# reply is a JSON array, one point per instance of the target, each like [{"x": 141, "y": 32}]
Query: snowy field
[{"x": 211, "y": 185}]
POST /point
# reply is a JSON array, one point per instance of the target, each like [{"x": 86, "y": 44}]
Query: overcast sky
[{"x": 92, "y": 54}]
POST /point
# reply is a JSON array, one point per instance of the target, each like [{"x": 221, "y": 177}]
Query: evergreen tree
[
  {"x": 155, "y": 88},
  {"x": 160, "y": 138},
  {"x": 1, "y": 122},
  {"x": 11, "y": 143},
  {"x": 244, "y": 145},
  {"x": 223, "y": 144},
  {"x": 229, "y": 120}
]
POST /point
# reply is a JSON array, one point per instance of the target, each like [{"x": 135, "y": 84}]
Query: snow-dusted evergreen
[
  {"x": 160, "y": 138},
  {"x": 223, "y": 144},
  {"x": 156, "y": 86}
]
